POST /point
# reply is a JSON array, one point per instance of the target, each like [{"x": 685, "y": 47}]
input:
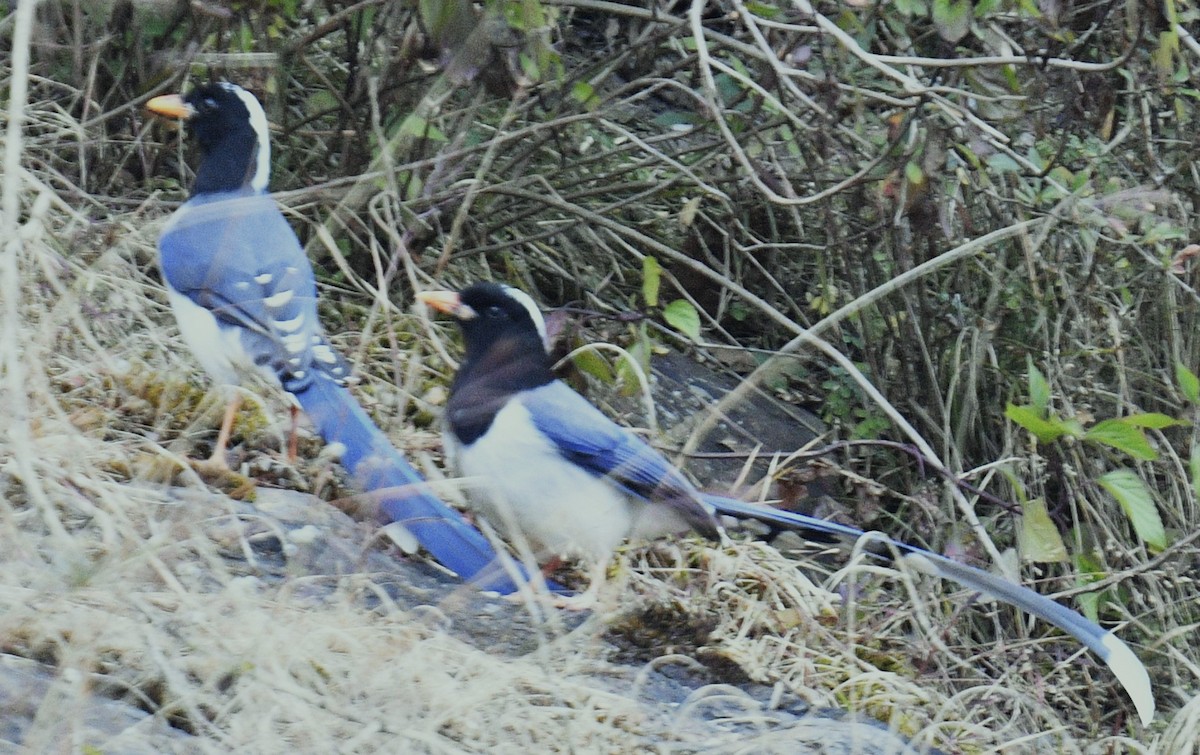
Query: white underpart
[
  {"x": 258, "y": 122},
  {"x": 219, "y": 350},
  {"x": 521, "y": 482},
  {"x": 535, "y": 313}
]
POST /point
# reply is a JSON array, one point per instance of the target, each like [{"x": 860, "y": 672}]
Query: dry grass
[{"x": 127, "y": 579}]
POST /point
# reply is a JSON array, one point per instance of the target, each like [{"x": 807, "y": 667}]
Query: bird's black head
[
  {"x": 506, "y": 353},
  {"x": 490, "y": 313},
  {"x": 230, "y": 126},
  {"x": 503, "y": 329}
]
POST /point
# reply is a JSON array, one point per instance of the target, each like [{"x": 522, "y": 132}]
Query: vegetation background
[{"x": 961, "y": 233}]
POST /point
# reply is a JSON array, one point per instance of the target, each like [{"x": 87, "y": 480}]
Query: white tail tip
[{"x": 1132, "y": 675}]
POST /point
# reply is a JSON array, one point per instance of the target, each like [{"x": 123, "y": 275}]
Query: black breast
[{"x": 484, "y": 386}]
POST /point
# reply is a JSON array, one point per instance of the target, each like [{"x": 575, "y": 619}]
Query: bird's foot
[
  {"x": 584, "y": 601},
  {"x": 215, "y": 471}
]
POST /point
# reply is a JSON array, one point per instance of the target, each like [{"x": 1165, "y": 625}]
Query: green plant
[{"x": 1124, "y": 434}]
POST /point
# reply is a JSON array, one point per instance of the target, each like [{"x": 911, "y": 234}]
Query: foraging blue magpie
[
  {"x": 553, "y": 469},
  {"x": 245, "y": 298}
]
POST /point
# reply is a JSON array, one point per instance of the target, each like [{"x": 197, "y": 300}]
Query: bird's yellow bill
[
  {"x": 448, "y": 302},
  {"x": 170, "y": 106}
]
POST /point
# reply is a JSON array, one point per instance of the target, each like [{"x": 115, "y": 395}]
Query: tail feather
[
  {"x": 1126, "y": 666},
  {"x": 405, "y": 498}
]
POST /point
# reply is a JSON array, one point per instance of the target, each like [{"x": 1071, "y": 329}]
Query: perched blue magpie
[
  {"x": 246, "y": 301},
  {"x": 552, "y": 469}
]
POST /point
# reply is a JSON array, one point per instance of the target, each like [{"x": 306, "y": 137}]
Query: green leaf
[
  {"x": 651, "y": 280},
  {"x": 985, "y": 7},
  {"x": 1089, "y": 570},
  {"x": 1046, "y": 430},
  {"x": 589, "y": 362},
  {"x": 1119, "y": 434},
  {"x": 871, "y": 428},
  {"x": 413, "y": 189},
  {"x": 1168, "y": 47},
  {"x": 1138, "y": 504},
  {"x": 682, "y": 316},
  {"x": 914, "y": 174},
  {"x": 1029, "y": 8},
  {"x": 320, "y": 100},
  {"x": 1039, "y": 387},
  {"x": 1039, "y": 539},
  {"x": 1002, "y": 163},
  {"x": 1194, "y": 469},
  {"x": 1188, "y": 383},
  {"x": 762, "y": 10},
  {"x": 952, "y": 18},
  {"x": 639, "y": 353},
  {"x": 1089, "y": 605},
  {"x": 415, "y": 125},
  {"x": 1162, "y": 232},
  {"x": 1152, "y": 420},
  {"x": 585, "y": 94},
  {"x": 529, "y": 66}
]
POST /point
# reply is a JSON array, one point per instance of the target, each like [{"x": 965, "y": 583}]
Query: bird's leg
[
  {"x": 293, "y": 441},
  {"x": 554, "y": 564},
  {"x": 587, "y": 599},
  {"x": 231, "y": 409},
  {"x": 215, "y": 469},
  {"x": 583, "y": 601}
]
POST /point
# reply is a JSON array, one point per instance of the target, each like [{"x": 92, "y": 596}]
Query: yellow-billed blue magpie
[
  {"x": 554, "y": 469},
  {"x": 245, "y": 298}
]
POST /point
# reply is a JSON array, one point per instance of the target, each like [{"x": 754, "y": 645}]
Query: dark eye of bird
[{"x": 494, "y": 312}]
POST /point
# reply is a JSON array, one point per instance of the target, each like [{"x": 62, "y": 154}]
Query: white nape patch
[
  {"x": 279, "y": 299},
  {"x": 258, "y": 122},
  {"x": 519, "y": 480},
  {"x": 263, "y": 279},
  {"x": 535, "y": 313},
  {"x": 289, "y": 326}
]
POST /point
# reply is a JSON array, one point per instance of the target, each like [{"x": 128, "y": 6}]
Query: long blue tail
[
  {"x": 377, "y": 468},
  {"x": 1124, "y": 664}
]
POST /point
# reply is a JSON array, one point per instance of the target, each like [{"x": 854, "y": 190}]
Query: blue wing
[
  {"x": 1124, "y": 664},
  {"x": 235, "y": 255},
  {"x": 591, "y": 440}
]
